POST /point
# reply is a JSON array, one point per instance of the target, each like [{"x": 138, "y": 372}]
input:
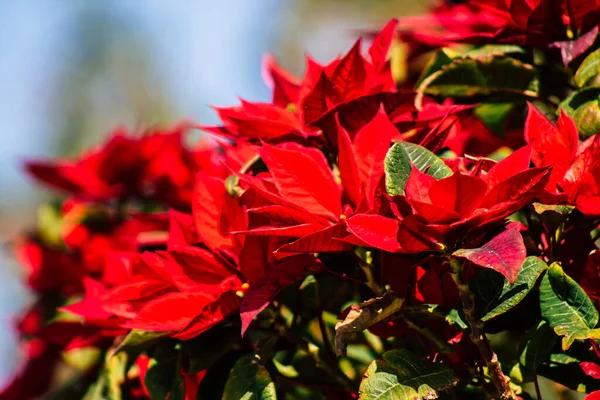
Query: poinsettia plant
[{"x": 416, "y": 220}]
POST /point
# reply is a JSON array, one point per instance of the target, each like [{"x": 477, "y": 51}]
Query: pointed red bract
[
  {"x": 505, "y": 253},
  {"x": 276, "y": 277}
]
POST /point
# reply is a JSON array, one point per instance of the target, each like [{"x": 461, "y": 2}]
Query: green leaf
[
  {"x": 589, "y": 69},
  {"x": 369, "y": 313},
  {"x": 204, "y": 350},
  {"x": 494, "y": 50},
  {"x": 402, "y": 375},
  {"x": 136, "y": 341},
  {"x": 566, "y": 307},
  {"x": 82, "y": 358},
  {"x": 441, "y": 58},
  {"x": 495, "y": 115},
  {"x": 249, "y": 380},
  {"x": 539, "y": 342},
  {"x": 399, "y": 161},
  {"x": 163, "y": 379},
  {"x": 494, "y": 295},
  {"x": 558, "y": 209},
  {"x": 111, "y": 377},
  {"x": 584, "y": 108},
  {"x": 485, "y": 75}
]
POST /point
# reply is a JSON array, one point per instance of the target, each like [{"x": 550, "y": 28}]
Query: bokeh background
[{"x": 71, "y": 71}]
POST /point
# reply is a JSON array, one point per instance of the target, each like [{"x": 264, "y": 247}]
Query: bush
[{"x": 382, "y": 229}]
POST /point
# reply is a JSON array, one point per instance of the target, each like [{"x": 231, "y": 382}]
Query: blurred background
[{"x": 71, "y": 71}]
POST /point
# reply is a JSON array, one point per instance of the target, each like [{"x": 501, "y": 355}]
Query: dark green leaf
[
  {"x": 538, "y": 345},
  {"x": 163, "y": 379},
  {"x": 559, "y": 209},
  {"x": 495, "y": 50},
  {"x": 136, "y": 341},
  {"x": 584, "y": 108},
  {"x": 567, "y": 308},
  {"x": 402, "y": 375},
  {"x": 249, "y": 380},
  {"x": 486, "y": 75},
  {"x": 204, "y": 350},
  {"x": 440, "y": 59},
  {"x": 589, "y": 69},
  {"x": 495, "y": 115},
  {"x": 494, "y": 295},
  {"x": 399, "y": 161}
]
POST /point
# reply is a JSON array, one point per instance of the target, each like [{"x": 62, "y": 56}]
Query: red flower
[
  {"x": 156, "y": 166},
  {"x": 438, "y": 213},
  {"x": 534, "y": 23},
  {"x": 575, "y": 167}
]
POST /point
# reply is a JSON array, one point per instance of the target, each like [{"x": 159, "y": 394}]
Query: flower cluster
[{"x": 359, "y": 234}]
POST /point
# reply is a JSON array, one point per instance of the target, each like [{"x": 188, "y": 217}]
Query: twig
[
  {"x": 595, "y": 347},
  {"x": 538, "y": 392},
  {"x": 478, "y": 337},
  {"x": 322, "y": 327}
]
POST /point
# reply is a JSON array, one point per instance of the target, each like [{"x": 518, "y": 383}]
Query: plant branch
[
  {"x": 477, "y": 334},
  {"x": 538, "y": 392}
]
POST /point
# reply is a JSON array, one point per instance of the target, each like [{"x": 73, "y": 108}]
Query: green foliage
[
  {"x": 538, "y": 344},
  {"x": 496, "y": 296},
  {"x": 482, "y": 76},
  {"x": 567, "y": 308},
  {"x": 589, "y": 69},
  {"x": 584, "y": 107},
  {"x": 402, "y": 375},
  {"x": 249, "y": 380},
  {"x": 399, "y": 162},
  {"x": 163, "y": 379}
]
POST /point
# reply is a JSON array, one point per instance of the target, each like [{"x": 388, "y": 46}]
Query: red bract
[
  {"x": 438, "y": 213},
  {"x": 343, "y": 192},
  {"x": 183, "y": 292},
  {"x": 575, "y": 167},
  {"x": 534, "y": 23},
  {"x": 301, "y": 107},
  {"x": 155, "y": 166}
]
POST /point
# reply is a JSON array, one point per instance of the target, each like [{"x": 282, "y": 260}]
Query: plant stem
[
  {"x": 429, "y": 334},
  {"x": 322, "y": 327},
  {"x": 538, "y": 392},
  {"x": 595, "y": 347},
  {"x": 477, "y": 334}
]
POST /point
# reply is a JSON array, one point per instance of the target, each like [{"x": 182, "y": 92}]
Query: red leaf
[
  {"x": 459, "y": 193},
  {"x": 517, "y": 162},
  {"x": 285, "y": 86},
  {"x": 505, "y": 253},
  {"x": 436, "y": 137},
  {"x": 212, "y": 314},
  {"x": 590, "y": 369},
  {"x": 209, "y": 196},
  {"x": 303, "y": 177},
  {"x": 381, "y": 45},
  {"x": 276, "y": 277},
  {"x": 286, "y": 231},
  {"x": 286, "y": 215},
  {"x": 590, "y": 279},
  {"x": 551, "y": 145},
  {"x": 520, "y": 188},
  {"x": 350, "y": 75},
  {"x": 319, "y": 100},
  {"x": 371, "y": 144},
  {"x": 375, "y": 230},
  {"x": 321, "y": 241},
  {"x": 171, "y": 312},
  {"x": 347, "y": 162},
  {"x": 593, "y": 396},
  {"x": 571, "y": 49}
]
